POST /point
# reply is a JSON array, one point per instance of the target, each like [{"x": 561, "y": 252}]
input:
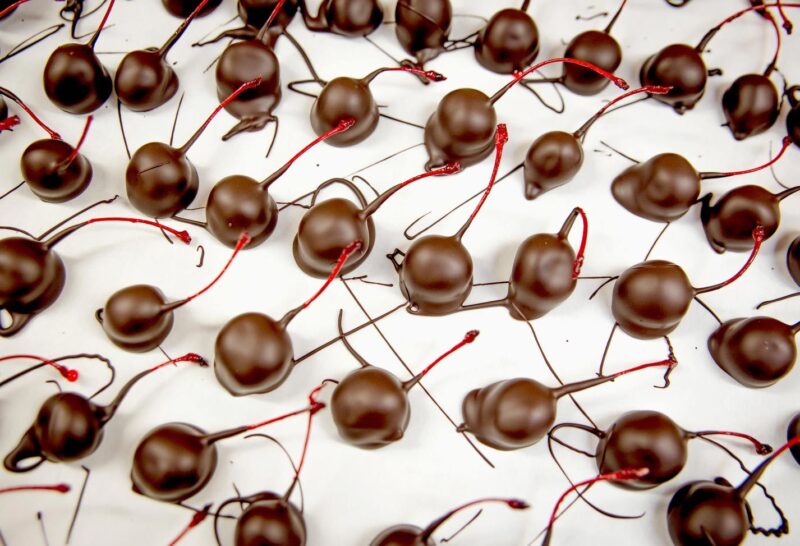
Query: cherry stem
[
  {"x": 96, "y": 35},
  {"x": 774, "y": 63},
  {"x": 369, "y": 210},
  {"x": 172, "y": 40},
  {"x": 313, "y": 401},
  {"x": 518, "y": 76},
  {"x": 244, "y": 240},
  {"x": 711, "y": 33},
  {"x": 758, "y": 237},
  {"x": 15, "y": 98},
  {"x": 469, "y": 337},
  {"x": 59, "y": 488},
  {"x": 669, "y": 362},
  {"x": 430, "y": 75},
  {"x": 578, "y": 263},
  {"x": 571, "y": 388},
  {"x": 311, "y": 408},
  {"x": 761, "y": 449},
  {"x": 263, "y": 32},
  {"x": 425, "y": 534},
  {"x": 11, "y": 8},
  {"x": 500, "y": 139},
  {"x": 613, "y": 20},
  {"x": 69, "y": 374},
  {"x": 232, "y": 97},
  {"x": 343, "y": 126},
  {"x": 580, "y": 134},
  {"x": 751, "y": 480},
  {"x": 77, "y": 147},
  {"x": 199, "y": 516},
  {"x": 55, "y": 239},
  {"x": 787, "y": 141},
  {"x": 9, "y": 123},
  {"x": 621, "y": 475}
]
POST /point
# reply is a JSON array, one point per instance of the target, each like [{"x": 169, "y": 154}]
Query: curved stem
[
  {"x": 580, "y": 134},
  {"x": 776, "y": 300},
  {"x": 570, "y": 388},
  {"x": 69, "y": 374},
  {"x": 758, "y": 237},
  {"x": 212, "y": 438},
  {"x": 787, "y": 141},
  {"x": 6, "y": 93},
  {"x": 751, "y": 480},
  {"x": 369, "y": 210},
  {"x": 11, "y": 8},
  {"x": 68, "y": 161},
  {"x": 430, "y": 75},
  {"x": 59, "y": 488},
  {"x": 425, "y": 535},
  {"x": 469, "y": 337},
  {"x": 713, "y": 32},
  {"x": 348, "y": 346},
  {"x": 761, "y": 449},
  {"x": 578, "y": 263},
  {"x": 58, "y": 237},
  {"x": 172, "y": 40}
]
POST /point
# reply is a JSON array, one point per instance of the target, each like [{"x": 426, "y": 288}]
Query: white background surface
[{"x": 352, "y": 494}]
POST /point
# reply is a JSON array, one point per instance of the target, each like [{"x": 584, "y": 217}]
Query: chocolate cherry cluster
[{"x": 370, "y": 407}]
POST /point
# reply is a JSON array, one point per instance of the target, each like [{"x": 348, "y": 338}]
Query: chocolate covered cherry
[
  {"x": 651, "y": 298},
  {"x": 255, "y": 13},
  {"x": 344, "y": 17},
  {"x": 182, "y": 8},
  {"x": 69, "y": 426},
  {"x": 422, "y": 27},
  {"x": 509, "y": 42},
  {"x": 411, "y": 535},
  {"x": 793, "y": 117},
  {"x": 517, "y": 413},
  {"x": 74, "y": 78}
]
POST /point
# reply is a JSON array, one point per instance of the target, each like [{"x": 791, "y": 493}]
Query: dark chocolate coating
[
  {"x": 704, "y": 513},
  {"x": 345, "y": 17},
  {"x": 757, "y": 352},
  {"x": 661, "y": 189},
  {"x": 793, "y": 117},
  {"x": 461, "y": 129},
  {"x": 793, "y": 260},
  {"x": 509, "y": 42},
  {"x": 75, "y": 80},
  {"x": 31, "y": 279},
  {"x": 325, "y": 230},
  {"x": 44, "y": 168},
  {"x": 256, "y": 12},
  {"x": 730, "y": 222},
  {"x": 184, "y": 8},
  {"x": 370, "y": 408},
  {"x": 401, "y": 535},
  {"x": 340, "y": 99},
  {"x": 173, "y": 462},
  {"x": 271, "y": 521},
  {"x": 436, "y": 275},
  {"x": 253, "y": 354},
  {"x": 510, "y": 414},
  {"x": 542, "y": 275},
  {"x": 239, "y": 203},
  {"x": 242, "y": 62},
  {"x": 68, "y": 427},
  {"x": 144, "y": 80},
  {"x": 751, "y": 105},
  {"x": 160, "y": 180},
  {"x": 651, "y": 298},
  {"x": 135, "y": 318},
  {"x": 552, "y": 160},
  {"x": 792, "y": 431},
  {"x": 595, "y": 47},
  {"x": 423, "y": 26},
  {"x": 643, "y": 439},
  {"x": 681, "y": 67}
]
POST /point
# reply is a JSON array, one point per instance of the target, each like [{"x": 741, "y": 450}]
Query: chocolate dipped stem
[
  {"x": 469, "y": 337},
  {"x": 758, "y": 237},
  {"x": 580, "y": 134},
  {"x": 787, "y": 141},
  {"x": 72, "y": 156},
  {"x": 613, "y": 20},
  {"x": 761, "y": 449},
  {"x": 200, "y": 515},
  {"x": 61, "y": 235},
  {"x": 210, "y": 439},
  {"x": 5, "y": 92},
  {"x": 704, "y": 41},
  {"x": 786, "y": 193},
  {"x": 172, "y": 40},
  {"x": 430, "y": 75},
  {"x": 97, "y": 32},
  {"x": 571, "y": 388},
  {"x": 425, "y": 534},
  {"x": 262, "y": 33},
  {"x": 564, "y": 233},
  {"x": 312, "y": 400},
  {"x": 69, "y": 374},
  {"x": 369, "y": 210},
  {"x": 753, "y": 478},
  {"x": 58, "y": 488}
]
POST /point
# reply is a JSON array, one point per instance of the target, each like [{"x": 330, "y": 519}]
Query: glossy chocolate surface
[
  {"x": 136, "y": 319},
  {"x": 704, "y": 512},
  {"x": 730, "y": 222},
  {"x": 552, "y": 160},
  {"x": 182, "y": 8},
  {"x": 423, "y": 26},
  {"x": 160, "y": 180},
  {"x": 345, "y": 17},
  {"x": 49, "y": 176},
  {"x": 239, "y": 203},
  {"x": 271, "y": 522},
  {"x": 751, "y": 105},
  {"x": 341, "y": 99},
  {"x": 144, "y": 80},
  {"x": 75, "y": 80},
  {"x": 462, "y": 129},
  {"x": 681, "y": 67},
  {"x": 509, "y": 42},
  {"x": 256, "y": 12},
  {"x": 595, "y": 47}
]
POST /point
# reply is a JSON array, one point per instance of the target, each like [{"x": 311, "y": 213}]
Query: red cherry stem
[
  {"x": 343, "y": 126},
  {"x": 425, "y": 534},
  {"x": 711, "y": 33},
  {"x": 369, "y": 210},
  {"x": 761, "y": 449},
  {"x": 265, "y": 28},
  {"x": 619, "y": 82},
  {"x": 613, "y": 20},
  {"x": 429, "y": 75},
  {"x": 774, "y": 63},
  {"x": 212, "y": 438},
  {"x": 469, "y": 337},
  {"x": 621, "y": 475},
  {"x": 758, "y": 237},
  {"x": 500, "y": 139},
  {"x": 751, "y": 480},
  {"x": 345, "y": 254},
  {"x": 571, "y": 388},
  {"x": 787, "y": 24},
  {"x": 69, "y": 374},
  {"x": 172, "y": 40},
  {"x": 313, "y": 401},
  {"x": 59, "y": 488},
  {"x": 58, "y": 237},
  {"x": 96, "y": 35},
  {"x": 232, "y": 97},
  {"x": 787, "y": 141},
  {"x": 108, "y": 412},
  {"x": 197, "y": 518},
  {"x": 11, "y": 8},
  {"x": 9, "y": 123},
  {"x": 244, "y": 240},
  {"x": 77, "y": 147},
  {"x": 580, "y": 134},
  {"x": 5, "y": 92},
  {"x": 578, "y": 263}
]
